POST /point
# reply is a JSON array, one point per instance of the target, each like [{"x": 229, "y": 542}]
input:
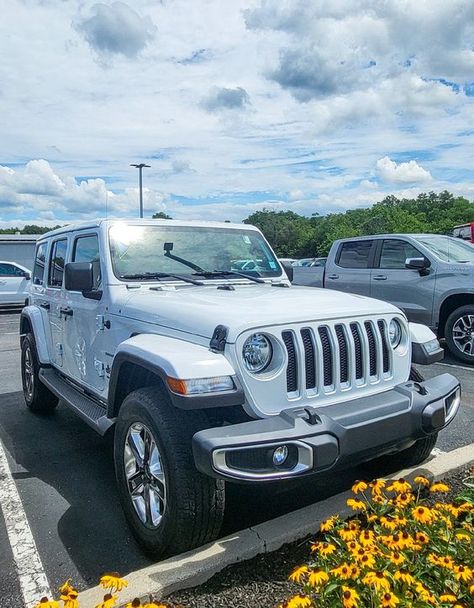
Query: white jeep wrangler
[{"x": 209, "y": 373}]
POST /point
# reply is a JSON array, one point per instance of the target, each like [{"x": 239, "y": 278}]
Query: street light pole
[{"x": 140, "y": 167}]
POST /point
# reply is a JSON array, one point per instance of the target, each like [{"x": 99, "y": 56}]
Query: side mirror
[
  {"x": 27, "y": 275},
  {"x": 78, "y": 276},
  {"x": 417, "y": 263},
  {"x": 288, "y": 268}
]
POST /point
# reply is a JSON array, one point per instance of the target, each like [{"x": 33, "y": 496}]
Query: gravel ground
[{"x": 262, "y": 582}]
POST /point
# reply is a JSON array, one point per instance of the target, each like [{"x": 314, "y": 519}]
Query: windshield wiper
[
  {"x": 224, "y": 273},
  {"x": 160, "y": 275}
]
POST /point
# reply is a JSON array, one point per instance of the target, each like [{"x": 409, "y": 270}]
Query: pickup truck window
[
  {"x": 40, "y": 261},
  {"x": 86, "y": 249},
  {"x": 448, "y": 249},
  {"x": 56, "y": 263},
  {"x": 355, "y": 254},
  {"x": 185, "y": 250},
  {"x": 395, "y": 252}
]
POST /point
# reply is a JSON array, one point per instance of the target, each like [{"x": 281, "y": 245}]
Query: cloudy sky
[{"x": 236, "y": 105}]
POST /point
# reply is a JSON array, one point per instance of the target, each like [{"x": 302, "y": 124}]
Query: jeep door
[
  {"x": 351, "y": 269},
  {"x": 13, "y": 284},
  {"x": 410, "y": 290},
  {"x": 84, "y": 334},
  {"x": 54, "y": 299}
]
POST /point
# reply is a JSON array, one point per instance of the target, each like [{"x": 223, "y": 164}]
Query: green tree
[{"x": 161, "y": 215}]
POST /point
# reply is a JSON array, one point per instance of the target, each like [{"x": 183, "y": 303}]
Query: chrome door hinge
[
  {"x": 102, "y": 323},
  {"x": 99, "y": 368}
]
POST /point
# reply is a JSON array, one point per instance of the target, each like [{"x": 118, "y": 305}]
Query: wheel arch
[
  {"x": 31, "y": 321},
  {"x": 450, "y": 304}
]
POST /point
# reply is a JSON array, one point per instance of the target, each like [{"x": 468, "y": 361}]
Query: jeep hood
[{"x": 197, "y": 310}]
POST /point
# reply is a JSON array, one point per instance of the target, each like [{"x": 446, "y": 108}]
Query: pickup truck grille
[{"x": 339, "y": 356}]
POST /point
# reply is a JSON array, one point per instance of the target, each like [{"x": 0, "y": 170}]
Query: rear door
[
  {"x": 13, "y": 284},
  {"x": 54, "y": 299},
  {"x": 351, "y": 269},
  {"x": 408, "y": 289}
]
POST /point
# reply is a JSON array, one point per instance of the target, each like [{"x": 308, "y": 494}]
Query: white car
[
  {"x": 14, "y": 284},
  {"x": 210, "y": 377}
]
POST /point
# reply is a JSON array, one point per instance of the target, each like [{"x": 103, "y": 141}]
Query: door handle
[
  {"x": 380, "y": 277},
  {"x": 45, "y": 305},
  {"x": 66, "y": 311},
  {"x": 333, "y": 276}
]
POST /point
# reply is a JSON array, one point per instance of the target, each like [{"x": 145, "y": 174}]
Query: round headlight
[
  {"x": 257, "y": 353},
  {"x": 395, "y": 333}
]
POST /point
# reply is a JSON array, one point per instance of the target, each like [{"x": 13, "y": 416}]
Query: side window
[
  {"x": 395, "y": 252},
  {"x": 10, "y": 270},
  {"x": 355, "y": 254},
  {"x": 56, "y": 264},
  {"x": 86, "y": 249},
  {"x": 40, "y": 261}
]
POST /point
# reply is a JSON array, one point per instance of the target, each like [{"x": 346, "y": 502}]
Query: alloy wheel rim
[
  {"x": 146, "y": 482},
  {"x": 29, "y": 373},
  {"x": 463, "y": 334}
]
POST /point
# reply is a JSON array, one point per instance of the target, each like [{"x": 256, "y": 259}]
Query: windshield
[
  {"x": 448, "y": 249},
  {"x": 141, "y": 250}
]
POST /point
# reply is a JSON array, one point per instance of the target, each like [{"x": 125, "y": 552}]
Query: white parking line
[
  {"x": 32, "y": 578},
  {"x": 456, "y": 366}
]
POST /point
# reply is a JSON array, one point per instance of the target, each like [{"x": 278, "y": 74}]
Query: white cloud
[{"x": 409, "y": 172}]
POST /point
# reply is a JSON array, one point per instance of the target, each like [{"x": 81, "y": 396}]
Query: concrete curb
[{"x": 197, "y": 566}]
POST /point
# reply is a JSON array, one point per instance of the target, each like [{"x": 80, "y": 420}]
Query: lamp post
[{"x": 140, "y": 166}]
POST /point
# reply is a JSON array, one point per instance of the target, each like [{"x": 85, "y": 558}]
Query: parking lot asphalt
[{"x": 64, "y": 474}]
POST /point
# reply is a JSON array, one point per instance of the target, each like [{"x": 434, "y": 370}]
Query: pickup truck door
[
  {"x": 84, "y": 332},
  {"x": 13, "y": 284},
  {"x": 408, "y": 289},
  {"x": 350, "y": 268}
]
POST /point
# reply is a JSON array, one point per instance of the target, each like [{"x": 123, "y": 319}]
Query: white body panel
[{"x": 13, "y": 286}]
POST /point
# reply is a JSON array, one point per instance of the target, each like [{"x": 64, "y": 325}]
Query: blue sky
[{"x": 237, "y": 106}]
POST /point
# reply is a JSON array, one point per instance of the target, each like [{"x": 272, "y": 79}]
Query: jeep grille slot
[
  {"x": 343, "y": 356},
  {"x": 309, "y": 362},
  {"x": 292, "y": 369}
]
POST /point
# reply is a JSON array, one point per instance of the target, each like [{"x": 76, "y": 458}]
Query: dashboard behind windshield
[{"x": 141, "y": 250}]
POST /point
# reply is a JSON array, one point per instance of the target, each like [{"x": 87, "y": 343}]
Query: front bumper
[{"x": 318, "y": 439}]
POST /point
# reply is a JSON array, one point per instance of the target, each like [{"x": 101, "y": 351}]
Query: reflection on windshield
[
  {"x": 448, "y": 249},
  {"x": 138, "y": 250}
]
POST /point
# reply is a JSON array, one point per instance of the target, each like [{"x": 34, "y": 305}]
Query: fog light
[{"x": 280, "y": 455}]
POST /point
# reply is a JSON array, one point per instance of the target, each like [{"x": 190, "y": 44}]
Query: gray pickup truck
[{"x": 430, "y": 277}]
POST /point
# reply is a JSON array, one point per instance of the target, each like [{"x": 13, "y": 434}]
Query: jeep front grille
[{"x": 330, "y": 357}]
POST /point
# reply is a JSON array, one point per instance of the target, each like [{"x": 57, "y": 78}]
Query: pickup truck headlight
[
  {"x": 395, "y": 333},
  {"x": 257, "y": 353}
]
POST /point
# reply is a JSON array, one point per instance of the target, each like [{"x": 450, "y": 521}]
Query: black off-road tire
[
  {"x": 194, "y": 506},
  {"x": 454, "y": 317},
  {"x": 421, "y": 449},
  {"x": 38, "y": 398}
]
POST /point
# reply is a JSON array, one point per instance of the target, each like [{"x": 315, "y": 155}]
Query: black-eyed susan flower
[
  {"x": 350, "y": 531},
  {"x": 355, "y": 572},
  {"x": 70, "y": 600},
  {"x": 109, "y": 601},
  {"x": 424, "y": 593},
  {"x": 405, "y": 577},
  {"x": 328, "y": 524},
  {"x": 359, "y": 486},
  {"x": 350, "y": 597},
  {"x": 400, "y": 486},
  {"x": 378, "y": 580},
  {"x": 423, "y": 515},
  {"x": 317, "y": 578},
  {"x": 356, "y": 505},
  {"x": 377, "y": 486},
  {"x": 343, "y": 571},
  {"x": 389, "y": 600},
  {"x": 421, "y": 480},
  {"x": 299, "y": 601},
  {"x": 422, "y": 538},
  {"x": 403, "y": 499},
  {"x": 396, "y": 558},
  {"x": 324, "y": 549},
  {"x": 462, "y": 573},
  {"x": 47, "y": 603},
  {"x": 463, "y": 536},
  {"x": 448, "y": 598},
  {"x": 367, "y": 538},
  {"x": 298, "y": 574},
  {"x": 134, "y": 603},
  {"x": 367, "y": 560},
  {"x": 439, "y": 487},
  {"x": 113, "y": 581}
]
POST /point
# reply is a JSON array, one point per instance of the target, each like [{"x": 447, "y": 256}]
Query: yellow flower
[
  {"x": 349, "y": 597},
  {"x": 403, "y": 499},
  {"x": 462, "y": 573},
  {"x": 377, "y": 486},
  {"x": 422, "y": 538},
  {"x": 377, "y": 580},
  {"x": 359, "y": 486},
  {"x": 421, "y": 480},
  {"x": 365, "y": 560},
  {"x": 317, "y": 578},
  {"x": 71, "y": 603},
  {"x": 425, "y": 594},
  {"x": 66, "y": 587},
  {"x": 299, "y": 601},
  {"x": 367, "y": 538},
  {"x": 47, "y": 603},
  {"x": 439, "y": 487},
  {"x": 134, "y": 603},
  {"x": 355, "y": 572},
  {"x": 113, "y": 581},
  {"x": 356, "y": 505},
  {"x": 389, "y": 600},
  {"x": 400, "y": 486},
  {"x": 350, "y": 531},
  {"x": 389, "y": 522},
  {"x": 109, "y": 601},
  {"x": 328, "y": 525},
  {"x": 343, "y": 571},
  {"x": 396, "y": 558},
  {"x": 405, "y": 577},
  {"x": 323, "y": 549},
  {"x": 448, "y": 597},
  {"x": 298, "y": 574},
  {"x": 423, "y": 514}
]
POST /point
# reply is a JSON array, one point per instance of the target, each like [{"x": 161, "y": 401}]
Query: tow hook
[{"x": 312, "y": 418}]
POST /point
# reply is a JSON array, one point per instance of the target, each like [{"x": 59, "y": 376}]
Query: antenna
[{"x": 106, "y": 201}]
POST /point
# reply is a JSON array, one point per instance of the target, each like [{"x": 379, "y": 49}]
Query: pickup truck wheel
[
  {"x": 38, "y": 397},
  {"x": 169, "y": 505},
  {"x": 459, "y": 333}
]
